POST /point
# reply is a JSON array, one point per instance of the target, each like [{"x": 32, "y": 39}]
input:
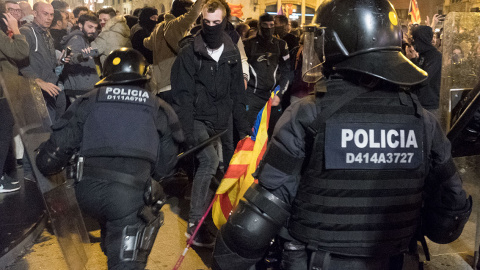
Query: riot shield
[
  {"x": 31, "y": 116},
  {"x": 464, "y": 142},
  {"x": 460, "y": 63}
]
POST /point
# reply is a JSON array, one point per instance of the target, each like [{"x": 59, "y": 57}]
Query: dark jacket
[
  {"x": 266, "y": 59},
  {"x": 443, "y": 186},
  {"x": 291, "y": 40},
  {"x": 80, "y": 124},
  {"x": 80, "y": 73},
  {"x": 430, "y": 60},
  {"x": 137, "y": 38},
  {"x": 57, "y": 35},
  {"x": 205, "y": 90},
  {"x": 42, "y": 59}
]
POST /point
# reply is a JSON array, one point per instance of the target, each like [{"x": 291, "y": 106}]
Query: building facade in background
[{"x": 253, "y": 8}]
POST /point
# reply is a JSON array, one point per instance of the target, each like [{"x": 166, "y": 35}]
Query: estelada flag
[
  {"x": 414, "y": 12},
  {"x": 236, "y": 10},
  {"x": 238, "y": 178}
]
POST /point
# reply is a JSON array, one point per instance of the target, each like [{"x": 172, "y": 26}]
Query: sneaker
[
  {"x": 8, "y": 184},
  {"x": 29, "y": 177},
  {"x": 10, "y": 179},
  {"x": 203, "y": 237}
]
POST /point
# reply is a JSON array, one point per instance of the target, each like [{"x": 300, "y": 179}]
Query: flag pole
[{"x": 190, "y": 241}]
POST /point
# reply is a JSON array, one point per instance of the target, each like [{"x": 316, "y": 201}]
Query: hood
[
  {"x": 422, "y": 36},
  {"x": 76, "y": 32},
  {"x": 144, "y": 18}
]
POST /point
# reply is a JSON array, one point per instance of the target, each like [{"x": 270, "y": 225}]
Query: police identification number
[
  {"x": 123, "y": 94},
  {"x": 373, "y": 146}
]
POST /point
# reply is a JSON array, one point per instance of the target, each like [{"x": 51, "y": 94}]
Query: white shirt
[{"x": 215, "y": 53}]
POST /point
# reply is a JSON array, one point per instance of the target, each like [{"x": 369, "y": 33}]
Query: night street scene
[{"x": 239, "y": 135}]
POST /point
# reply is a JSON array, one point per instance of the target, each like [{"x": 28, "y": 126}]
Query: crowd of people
[{"x": 215, "y": 75}]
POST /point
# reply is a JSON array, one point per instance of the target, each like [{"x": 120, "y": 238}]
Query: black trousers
[
  {"x": 114, "y": 205},
  {"x": 255, "y": 103},
  {"x": 6, "y": 137},
  {"x": 304, "y": 259}
]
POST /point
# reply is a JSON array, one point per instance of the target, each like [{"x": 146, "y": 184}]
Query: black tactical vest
[
  {"x": 361, "y": 193},
  {"x": 122, "y": 123}
]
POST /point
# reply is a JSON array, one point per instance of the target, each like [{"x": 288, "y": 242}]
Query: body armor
[
  {"x": 113, "y": 107},
  {"x": 361, "y": 193}
]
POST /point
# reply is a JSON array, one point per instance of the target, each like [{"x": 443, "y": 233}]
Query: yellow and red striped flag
[
  {"x": 414, "y": 11},
  {"x": 238, "y": 178}
]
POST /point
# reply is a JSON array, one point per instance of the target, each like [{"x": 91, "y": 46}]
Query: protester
[
  {"x": 115, "y": 33},
  {"x": 147, "y": 22},
  {"x": 12, "y": 49},
  {"x": 207, "y": 79},
  {"x": 80, "y": 75},
  {"x": 163, "y": 42}
]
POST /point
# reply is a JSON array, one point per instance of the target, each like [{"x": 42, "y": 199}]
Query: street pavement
[{"x": 171, "y": 240}]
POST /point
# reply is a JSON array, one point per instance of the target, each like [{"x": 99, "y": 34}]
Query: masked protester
[
  {"x": 269, "y": 66},
  {"x": 331, "y": 168},
  {"x": 147, "y": 22},
  {"x": 207, "y": 79},
  {"x": 125, "y": 135},
  {"x": 282, "y": 30}
]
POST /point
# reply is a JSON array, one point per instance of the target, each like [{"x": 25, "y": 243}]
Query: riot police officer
[
  {"x": 124, "y": 134},
  {"x": 356, "y": 166}
]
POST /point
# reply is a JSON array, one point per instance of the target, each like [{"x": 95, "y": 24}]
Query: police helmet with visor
[
  {"x": 124, "y": 66},
  {"x": 361, "y": 36}
]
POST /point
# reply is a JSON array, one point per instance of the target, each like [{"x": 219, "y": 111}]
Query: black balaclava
[
  {"x": 212, "y": 35},
  {"x": 422, "y": 36},
  {"x": 144, "y": 18},
  {"x": 180, "y": 7},
  {"x": 265, "y": 33}
]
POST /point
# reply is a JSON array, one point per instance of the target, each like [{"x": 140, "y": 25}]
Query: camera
[
  {"x": 92, "y": 53},
  {"x": 68, "y": 51}
]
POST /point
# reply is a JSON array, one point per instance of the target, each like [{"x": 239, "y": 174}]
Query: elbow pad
[
  {"x": 51, "y": 159},
  {"x": 445, "y": 226}
]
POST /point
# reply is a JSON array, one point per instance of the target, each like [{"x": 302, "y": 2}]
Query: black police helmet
[
  {"x": 365, "y": 36},
  {"x": 124, "y": 66}
]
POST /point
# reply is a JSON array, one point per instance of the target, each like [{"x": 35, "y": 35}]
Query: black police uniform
[
  {"x": 360, "y": 162},
  {"x": 122, "y": 132},
  {"x": 360, "y": 193}
]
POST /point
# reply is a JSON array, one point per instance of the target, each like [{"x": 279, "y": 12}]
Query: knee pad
[
  {"x": 250, "y": 229},
  {"x": 138, "y": 240}
]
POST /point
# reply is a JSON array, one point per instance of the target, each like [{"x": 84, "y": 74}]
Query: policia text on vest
[
  {"x": 373, "y": 146},
  {"x": 126, "y": 94}
]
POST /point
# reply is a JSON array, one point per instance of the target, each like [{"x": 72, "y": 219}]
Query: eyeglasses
[{"x": 13, "y": 10}]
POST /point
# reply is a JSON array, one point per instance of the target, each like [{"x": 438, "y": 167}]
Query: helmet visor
[{"x": 313, "y": 53}]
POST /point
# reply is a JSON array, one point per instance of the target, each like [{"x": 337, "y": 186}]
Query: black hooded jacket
[
  {"x": 430, "y": 60},
  {"x": 206, "y": 90},
  {"x": 144, "y": 31}
]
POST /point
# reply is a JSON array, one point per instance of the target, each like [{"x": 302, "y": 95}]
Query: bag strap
[{"x": 323, "y": 115}]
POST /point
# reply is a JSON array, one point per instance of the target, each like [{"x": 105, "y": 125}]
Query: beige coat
[
  {"x": 164, "y": 43},
  {"x": 114, "y": 35}
]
